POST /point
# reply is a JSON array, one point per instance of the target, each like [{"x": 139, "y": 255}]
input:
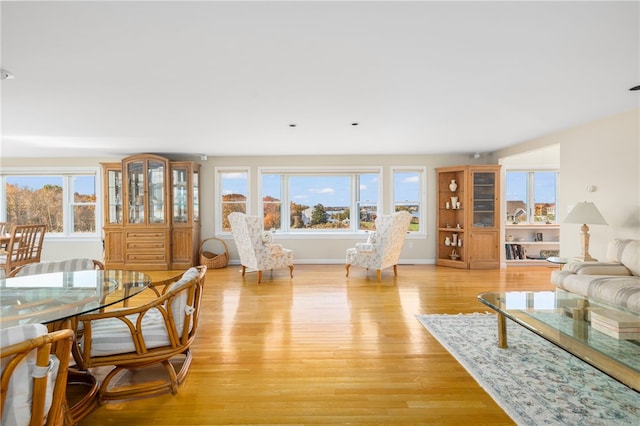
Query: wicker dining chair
[
  {"x": 34, "y": 375},
  {"x": 155, "y": 333},
  {"x": 5, "y": 228},
  {"x": 25, "y": 246}
]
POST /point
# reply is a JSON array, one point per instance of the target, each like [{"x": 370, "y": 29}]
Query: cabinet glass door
[
  {"x": 196, "y": 196},
  {"x": 180, "y": 195},
  {"x": 114, "y": 194},
  {"x": 136, "y": 176},
  {"x": 156, "y": 191},
  {"x": 484, "y": 199}
]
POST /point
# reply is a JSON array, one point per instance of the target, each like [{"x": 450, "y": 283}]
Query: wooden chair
[
  {"x": 34, "y": 379},
  {"x": 255, "y": 248},
  {"x": 382, "y": 250},
  {"x": 155, "y": 333},
  {"x": 25, "y": 246},
  {"x": 5, "y": 228}
]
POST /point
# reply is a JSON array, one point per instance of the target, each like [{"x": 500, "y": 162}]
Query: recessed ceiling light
[
  {"x": 355, "y": 123},
  {"x": 292, "y": 125},
  {"x": 635, "y": 88}
]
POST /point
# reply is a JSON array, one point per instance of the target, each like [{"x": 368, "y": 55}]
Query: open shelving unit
[{"x": 527, "y": 237}]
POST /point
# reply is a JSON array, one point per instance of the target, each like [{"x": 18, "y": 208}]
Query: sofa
[{"x": 615, "y": 281}]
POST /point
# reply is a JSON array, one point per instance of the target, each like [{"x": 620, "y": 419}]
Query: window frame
[
  {"x": 219, "y": 204},
  {"x": 530, "y": 182},
  {"x": 422, "y": 201},
  {"x": 67, "y": 174},
  {"x": 287, "y": 172}
]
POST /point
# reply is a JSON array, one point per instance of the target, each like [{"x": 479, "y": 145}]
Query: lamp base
[{"x": 584, "y": 239}]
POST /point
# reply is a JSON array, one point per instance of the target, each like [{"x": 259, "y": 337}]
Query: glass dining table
[
  {"x": 59, "y": 296},
  {"x": 55, "y": 299}
]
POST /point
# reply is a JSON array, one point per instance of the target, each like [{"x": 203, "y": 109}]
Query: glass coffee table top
[{"x": 565, "y": 319}]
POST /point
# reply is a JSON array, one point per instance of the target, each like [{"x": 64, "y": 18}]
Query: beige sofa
[{"x": 615, "y": 281}]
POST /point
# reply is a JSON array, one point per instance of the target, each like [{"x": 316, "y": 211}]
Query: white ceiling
[{"x": 222, "y": 78}]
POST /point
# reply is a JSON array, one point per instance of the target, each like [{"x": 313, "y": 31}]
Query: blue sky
[
  {"x": 84, "y": 185},
  {"x": 544, "y": 187},
  {"x": 327, "y": 190}
]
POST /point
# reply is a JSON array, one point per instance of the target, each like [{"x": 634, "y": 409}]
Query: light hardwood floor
[{"x": 325, "y": 349}]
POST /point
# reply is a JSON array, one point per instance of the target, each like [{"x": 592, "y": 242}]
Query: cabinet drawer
[
  {"x": 146, "y": 257},
  {"x": 146, "y": 245},
  {"x": 146, "y": 234}
]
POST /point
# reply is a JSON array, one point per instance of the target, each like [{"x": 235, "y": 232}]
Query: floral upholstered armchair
[
  {"x": 255, "y": 246},
  {"x": 383, "y": 247}
]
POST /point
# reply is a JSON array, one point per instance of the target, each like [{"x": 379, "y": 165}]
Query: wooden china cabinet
[
  {"x": 152, "y": 216},
  {"x": 468, "y": 217}
]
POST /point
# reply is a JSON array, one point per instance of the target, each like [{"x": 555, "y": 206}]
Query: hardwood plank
[{"x": 323, "y": 348}]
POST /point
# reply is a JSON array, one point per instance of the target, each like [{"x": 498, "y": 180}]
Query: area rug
[{"x": 534, "y": 381}]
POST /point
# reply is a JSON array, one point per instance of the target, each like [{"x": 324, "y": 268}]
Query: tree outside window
[
  {"x": 234, "y": 188},
  {"x": 65, "y": 203},
  {"x": 320, "y": 201}
]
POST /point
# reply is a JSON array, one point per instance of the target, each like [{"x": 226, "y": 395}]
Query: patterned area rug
[{"x": 534, "y": 381}]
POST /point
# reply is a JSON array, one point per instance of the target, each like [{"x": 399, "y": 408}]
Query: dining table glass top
[{"x": 57, "y": 296}]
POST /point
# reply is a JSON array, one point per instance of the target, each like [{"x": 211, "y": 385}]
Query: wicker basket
[{"x": 209, "y": 256}]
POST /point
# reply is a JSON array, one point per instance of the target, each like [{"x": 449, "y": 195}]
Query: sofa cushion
[
  {"x": 558, "y": 277},
  {"x": 616, "y": 291},
  {"x": 631, "y": 257},
  {"x": 596, "y": 268},
  {"x": 615, "y": 249}
]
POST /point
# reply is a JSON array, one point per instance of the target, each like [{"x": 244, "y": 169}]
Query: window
[
  {"x": 65, "y": 202},
  {"x": 233, "y": 186},
  {"x": 324, "y": 201},
  {"x": 408, "y": 194},
  {"x": 329, "y": 200},
  {"x": 531, "y": 196}
]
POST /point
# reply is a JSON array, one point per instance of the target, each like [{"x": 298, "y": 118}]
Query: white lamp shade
[{"x": 585, "y": 213}]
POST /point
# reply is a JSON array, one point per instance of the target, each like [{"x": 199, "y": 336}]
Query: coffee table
[{"x": 563, "y": 319}]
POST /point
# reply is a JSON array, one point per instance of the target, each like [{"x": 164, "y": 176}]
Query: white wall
[
  {"x": 321, "y": 250},
  {"x": 606, "y": 154}
]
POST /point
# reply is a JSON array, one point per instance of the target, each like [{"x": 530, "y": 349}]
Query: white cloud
[
  {"x": 411, "y": 179},
  {"x": 322, "y": 190},
  {"x": 235, "y": 175}
]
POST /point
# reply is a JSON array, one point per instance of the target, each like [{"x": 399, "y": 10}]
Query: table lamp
[{"x": 585, "y": 213}]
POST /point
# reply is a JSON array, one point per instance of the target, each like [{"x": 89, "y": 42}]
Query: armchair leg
[
  {"x": 378, "y": 275},
  {"x": 291, "y": 271},
  {"x": 347, "y": 267},
  {"x": 244, "y": 269},
  {"x": 259, "y": 277},
  {"x": 395, "y": 269}
]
